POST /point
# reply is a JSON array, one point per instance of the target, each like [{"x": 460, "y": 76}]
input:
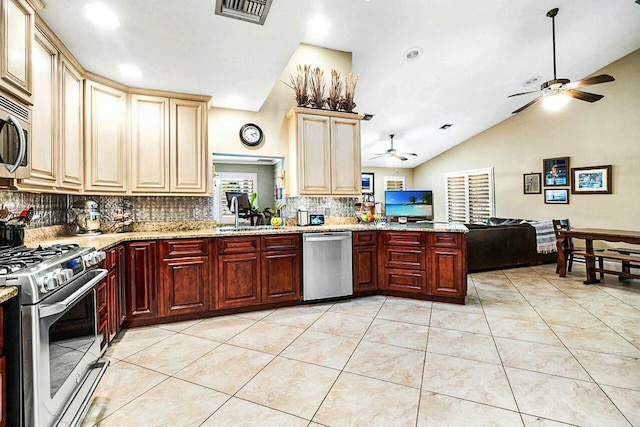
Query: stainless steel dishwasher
[{"x": 326, "y": 265}]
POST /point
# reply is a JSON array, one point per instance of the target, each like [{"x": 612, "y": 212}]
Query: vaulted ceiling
[{"x": 472, "y": 55}]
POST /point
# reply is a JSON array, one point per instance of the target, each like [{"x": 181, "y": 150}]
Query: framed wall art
[
  {"x": 556, "y": 172},
  {"x": 558, "y": 196},
  {"x": 591, "y": 180},
  {"x": 367, "y": 182},
  {"x": 532, "y": 183}
]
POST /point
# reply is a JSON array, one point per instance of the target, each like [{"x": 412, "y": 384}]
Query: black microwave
[{"x": 14, "y": 139}]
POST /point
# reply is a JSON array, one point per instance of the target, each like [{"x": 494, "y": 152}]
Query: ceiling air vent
[{"x": 254, "y": 11}]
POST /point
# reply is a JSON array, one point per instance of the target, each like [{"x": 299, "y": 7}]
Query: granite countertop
[
  {"x": 7, "y": 292},
  {"x": 106, "y": 241}
]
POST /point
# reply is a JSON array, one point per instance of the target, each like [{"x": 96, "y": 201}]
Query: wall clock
[{"x": 251, "y": 135}]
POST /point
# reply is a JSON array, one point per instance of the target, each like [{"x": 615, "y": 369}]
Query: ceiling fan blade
[
  {"x": 522, "y": 93},
  {"x": 602, "y": 78},
  {"x": 584, "y": 96},
  {"x": 528, "y": 105},
  {"x": 398, "y": 156},
  {"x": 409, "y": 154},
  {"x": 377, "y": 156}
]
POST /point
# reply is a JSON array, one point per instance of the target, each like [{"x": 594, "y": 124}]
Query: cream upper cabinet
[
  {"x": 105, "y": 138},
  {"x": 16, "y": 44},
  {"x": 71, "y": 162},
  {"x": 188, "y": 150},
  {"x": 324, "y": 153},
  {"x": 43, "y": 149},
  {"x": 346, "y": 177},
  {"x": 149, "y": 144}
]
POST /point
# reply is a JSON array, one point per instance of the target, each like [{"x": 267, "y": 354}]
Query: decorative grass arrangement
[
  {"x": 310, "y": 89},
  {"x": 317, "y": 88},
  {"x": 347, "y": 103},
  {"x": 300, "y": 85},
  {"x": 335, "y": 91}
]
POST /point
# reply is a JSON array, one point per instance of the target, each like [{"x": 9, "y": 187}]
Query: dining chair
[{"x": 569, "y": 248}]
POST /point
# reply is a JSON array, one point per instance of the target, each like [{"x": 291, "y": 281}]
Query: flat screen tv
[{"x": 412, "y": 203}]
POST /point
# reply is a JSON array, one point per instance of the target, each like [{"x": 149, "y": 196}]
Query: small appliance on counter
[
  {"x": 84, "y": 218},
  {"x": 303, "y": 217},
  {"x": 317, "y": 219}
]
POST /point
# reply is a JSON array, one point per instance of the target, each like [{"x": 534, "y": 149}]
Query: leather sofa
[{"x": 502, "y": 243}]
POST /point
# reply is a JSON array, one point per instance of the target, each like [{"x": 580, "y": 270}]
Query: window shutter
[
  {"x": 234, "y": 182},
  {"x": 470, "y": 196},
  {"x": 394, "y": 183}
]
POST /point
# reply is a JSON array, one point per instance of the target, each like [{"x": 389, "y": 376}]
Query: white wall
[
  {"x": 224, "y": 124},
  {"x": 602, "y": 133}
]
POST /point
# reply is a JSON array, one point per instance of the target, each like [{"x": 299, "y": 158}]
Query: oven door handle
[
  {"x": 22, "y": 150},
  {"x": 48, "y": 310}
]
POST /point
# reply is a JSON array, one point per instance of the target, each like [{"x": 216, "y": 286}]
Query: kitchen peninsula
[{"x": 159, "y": 277}]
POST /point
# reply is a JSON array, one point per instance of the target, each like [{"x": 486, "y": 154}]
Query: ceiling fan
[
  {"x": 564, "y": 86},
  {"x": 391, "y": 152}
]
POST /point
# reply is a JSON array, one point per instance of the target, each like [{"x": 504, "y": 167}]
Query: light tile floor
[{"x": 528, "y": 349}]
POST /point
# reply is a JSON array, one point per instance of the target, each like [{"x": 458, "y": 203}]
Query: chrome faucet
[{"x": 234, "y": 203}]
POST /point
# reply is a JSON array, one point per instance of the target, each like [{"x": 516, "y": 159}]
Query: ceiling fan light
[{"x": 555, "y": 101}]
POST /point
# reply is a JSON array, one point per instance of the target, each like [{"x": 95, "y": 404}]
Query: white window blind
[
  {"x": 394, "y": 183},
  {"x": 233, "y": 182},
  {"x": 470, "y": 196}
]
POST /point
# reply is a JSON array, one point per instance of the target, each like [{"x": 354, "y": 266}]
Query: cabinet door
[
  {"x": 345, "y": 157},
  {"x": 238, "y": 282},
  {"x": 447, "y": 275},
  {"x": 365, "y": 268},
  {"x": 149, "y": 144},
  {"x": 3, "y": 392},
  {"x": 189, "y": 156},
  {"x": 280, "y": 276},
  {"x": 71, "y": 127},
  {"x": 105, "y": 138},
  {"x": 142, "y": 289},
  {"x": 113, "y": 314},
  {"x": 122, "y": 291},
  {"x": 185, "y": 286},
  {"x": 43, "y": 152},
  {"x": 314, "y": 154},
  {"x": 16, "y": 44}
]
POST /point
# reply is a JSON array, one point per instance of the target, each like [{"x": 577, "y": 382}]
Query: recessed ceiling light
[
  {"x": 413, "y": 53},
  {"x": 318, "y": 27},
  {"x": 102, "y": 16},
  {"x": 130, "y": 71},
  {"x": 531, "y": 81}
]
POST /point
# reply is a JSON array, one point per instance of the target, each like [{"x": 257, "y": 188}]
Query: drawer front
[
  {"x": 404, "y": 238},
  {"x": 281, "y": 242},
  {"x": 361, "y": 238},
  {"x": 1, "y": 328},
  {"x": 235, "y": 245},
  {"x": 405, "y": 257},
  {"x": 110, "y": 259},
  {"x": 184, "y": 247},
  {"x": 102, "y": 295},
  {"x": 405, "y": 281},
  {"x": 445, "y": 240}
]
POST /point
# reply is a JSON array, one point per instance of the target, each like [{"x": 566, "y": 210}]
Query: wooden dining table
[{"x": 589, "y": 235}]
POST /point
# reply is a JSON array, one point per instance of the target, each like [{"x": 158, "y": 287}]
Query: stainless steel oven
[
  {"x": 62, "y": 350},
  {"x": 14, "y": 139}
]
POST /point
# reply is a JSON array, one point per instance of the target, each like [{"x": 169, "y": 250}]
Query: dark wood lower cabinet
[
  {"x": 238, "y": 282},
  {"x": 400, "y": 280},
  {"x": 444, "y": 272},
  {"x": 142, "y": 284},
  {"x": 280, "y": 276},
  {"x": 184, "y": 286},
  {"x": 3, "y": 389},
  {"x": 365, "y": 269}
]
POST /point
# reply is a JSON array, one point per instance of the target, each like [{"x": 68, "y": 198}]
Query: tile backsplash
[{"x": 52, "y": 209}]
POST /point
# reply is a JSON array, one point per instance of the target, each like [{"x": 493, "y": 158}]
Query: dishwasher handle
[{"x": 325, "y": 237}]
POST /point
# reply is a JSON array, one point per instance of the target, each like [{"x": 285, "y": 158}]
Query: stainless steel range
[{"x": 60, "y": 342}]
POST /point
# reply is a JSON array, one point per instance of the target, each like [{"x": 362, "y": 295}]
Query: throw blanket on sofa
[{"x": 545, "y": 236}]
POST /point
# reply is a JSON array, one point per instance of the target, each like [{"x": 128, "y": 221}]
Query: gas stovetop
[{"x": 41, "y": 271}]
